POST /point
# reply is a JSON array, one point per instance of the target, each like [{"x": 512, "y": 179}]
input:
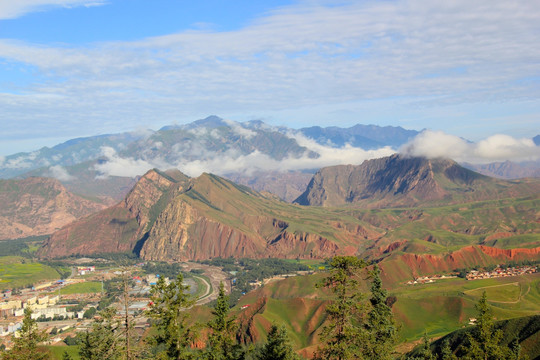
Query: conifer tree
[
  {"x": 426, "y": 353},
  {"x": 277, "y": 346},
  {"x": 222, "y": 344},
  {"x": 25, "y": 346},
  {"x": 102, "y": 341},
  {"x": 168, "y": 305},
  {"x": 343, "y": 336},
  {"x": 66, "y": 356},
  {"x": 514, "y": 351},
  {"x": 446, "y": 352},
  {"x": 381, "y": 329},
  {"x": 484, "y": 341}
]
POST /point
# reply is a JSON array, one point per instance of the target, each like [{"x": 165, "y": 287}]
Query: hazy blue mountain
[
  {"x": 364, "y": 136},
  {"x": 232, "y": 147},
  {"x": 69, "y": 153}
]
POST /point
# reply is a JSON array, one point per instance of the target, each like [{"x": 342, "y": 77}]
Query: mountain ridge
[{"x": 403, "y": 181}]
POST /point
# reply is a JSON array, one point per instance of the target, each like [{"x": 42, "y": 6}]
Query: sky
[{"x": 462, "y": 69}]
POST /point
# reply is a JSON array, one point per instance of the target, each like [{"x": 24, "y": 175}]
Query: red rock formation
[{"x": 39, "y": 206}]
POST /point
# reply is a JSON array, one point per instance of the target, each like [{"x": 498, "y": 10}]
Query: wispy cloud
[
  {"x": 11, "y": 9},
  {"x": 430, "y": 53},
  {"x": 60, "y": 173}
]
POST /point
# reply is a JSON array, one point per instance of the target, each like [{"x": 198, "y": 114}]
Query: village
[
  {"x": 478, "y": 274},
  {"x": 500, "y": 272},
  {"x": 59, "y": 313}
]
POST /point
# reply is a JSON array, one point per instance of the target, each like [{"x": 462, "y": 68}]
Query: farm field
[
  {"x": 56, "y": 352},
  {"x": 16, "y": 272},
  {"x": 87, "y": 287}
]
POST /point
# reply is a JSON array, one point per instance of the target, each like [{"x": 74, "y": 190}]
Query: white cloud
[
  {"x": 20, "y": 161},
  {"x": 240, "y": 130},
  {"x": 11, "y": 9},
  {"x": 119, "y": 166},
  {"x": 60, "y": 173},
  {"x": 193, "y": 158},
  {"x": 232, "y": 161},
  {"x": 437, "y": 144}
]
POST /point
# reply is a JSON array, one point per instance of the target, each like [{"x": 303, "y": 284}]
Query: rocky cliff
[
  {"x": 39, "y": 206},
  {"x": 120, "y": 227}
]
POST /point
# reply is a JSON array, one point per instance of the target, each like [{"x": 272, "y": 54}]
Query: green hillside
[{"x": 438, "y": 308}]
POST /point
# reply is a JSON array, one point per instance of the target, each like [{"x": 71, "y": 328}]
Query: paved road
[{"x": 216, "y": 276}]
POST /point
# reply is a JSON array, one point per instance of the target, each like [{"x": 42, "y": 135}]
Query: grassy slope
[
  {"x": 435, "y": 230},
  {"x": 438, "y": 308}
]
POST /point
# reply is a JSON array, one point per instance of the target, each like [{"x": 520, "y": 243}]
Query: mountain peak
[{"x": 211, "y": 122}]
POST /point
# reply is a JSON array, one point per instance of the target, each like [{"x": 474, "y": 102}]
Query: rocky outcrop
[
  {"x": 39, "y": 206},
  {"x": 118, "y": 228}
]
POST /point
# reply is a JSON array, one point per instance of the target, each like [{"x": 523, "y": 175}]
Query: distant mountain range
[
  {"x": 201, "y": 140},
  {"x": 248, "y": 152},
  {"x": 279, "y": 160}
]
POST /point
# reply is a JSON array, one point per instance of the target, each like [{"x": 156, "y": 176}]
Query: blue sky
[{"x": 72, "y": 68}]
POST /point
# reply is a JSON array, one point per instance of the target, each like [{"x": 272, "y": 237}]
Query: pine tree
[
  {"x": 168, "y": 305},
  {"x": 343, "y": 336},
  {"x": 25, "y": 346},
  {"x": 484, "y": 342},
  {"x": 426, "y": 353},
  {"x": 102, "y": 341},
  {"x": 446, "y": 352},
  {"x": 66, "y": 356},
  {"x": 222, "y": 344},
  {"x": 514, "y": 351},
  {"x": 381, "y": 329},
  {"x": 277, "y": 346}
]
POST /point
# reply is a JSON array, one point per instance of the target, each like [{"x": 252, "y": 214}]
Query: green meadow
[
  {"x": 87, "y": 287},
  {"x": 447, "y": 305},
  {"x": 17, "y": 272}
]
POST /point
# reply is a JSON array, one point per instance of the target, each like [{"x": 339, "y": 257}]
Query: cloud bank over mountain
[
  {"x": 437, "y": 144},
  {"x": 430, "y": 144}
]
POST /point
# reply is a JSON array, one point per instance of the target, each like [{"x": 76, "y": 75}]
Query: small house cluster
[
  {"x": 430, "y": 279},
  {"x": 500, "y": 272},
  {"x": 83, "y": 270}
]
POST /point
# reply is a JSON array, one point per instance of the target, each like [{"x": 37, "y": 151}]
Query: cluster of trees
[
  {"x": 357, "y": 329},
  {"x": 249, "y": 270}
]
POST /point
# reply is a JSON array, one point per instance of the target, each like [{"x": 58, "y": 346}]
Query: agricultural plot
[
  {"x": 87, "y": 287},
  {"x": 16, "y": 272}
]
